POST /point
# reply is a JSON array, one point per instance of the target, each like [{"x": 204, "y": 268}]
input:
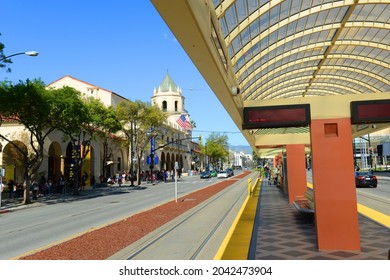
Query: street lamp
[{"x": 29, "y": 53}]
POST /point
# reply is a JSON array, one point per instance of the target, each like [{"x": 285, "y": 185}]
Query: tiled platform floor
[{"x": 282, "y": 233}]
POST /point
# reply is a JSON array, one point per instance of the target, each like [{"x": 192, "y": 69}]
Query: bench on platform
[{"x": 305, "y": 203}]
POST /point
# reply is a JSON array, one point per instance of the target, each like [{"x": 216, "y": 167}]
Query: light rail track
[
  {"x": 384, "y": 200},
  {"x": 193, "y": 234}
]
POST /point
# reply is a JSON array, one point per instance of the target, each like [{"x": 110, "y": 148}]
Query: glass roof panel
[
  {"x": 255, "y": 29},
  {"x": 295, "y": 6},
  {"x": 224, "y": 28},
  {"x": 242, "y": 10},
  {"x": 253, "y": 5},
  {"x": 274, "y": 15},
  {"x": 236, "y": 44},
  {"x": 270, "y": 50},
  {"x": 264, "y": 24},
  {"x": 245, "y": 36},
  {"x": 231, "y": 18},
  {"x": 285, "y": 9},
  {"x": 301, "y": 24},
  {"x": 291, "y": 28}
]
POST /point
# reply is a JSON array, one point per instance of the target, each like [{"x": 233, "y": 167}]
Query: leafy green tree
[
  {"x": 31, "y": 105},
  {"x": 82, "y": 120},
  {"x": 216, "y": 148},
  {"x": 140, "y": 122},
  {"x": 256, "y": 159},
  {"x": 3, "y": 60}
]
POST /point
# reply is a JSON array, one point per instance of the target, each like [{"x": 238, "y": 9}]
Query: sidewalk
[
  {"x": 14, "y": 204},
  {"x": 282, "y": 233}
]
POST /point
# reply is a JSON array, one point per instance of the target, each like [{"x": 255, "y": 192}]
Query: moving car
[
  {"x": 213, "y": 173},
  {"x": 205, "y": 175},
  {"x": 365, "y": 179},
  {"x": 222, "y": 174},
  {"x": 230, "y": 172}
]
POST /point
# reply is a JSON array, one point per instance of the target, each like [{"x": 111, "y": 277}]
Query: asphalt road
[{"x": 26, "y": 230}]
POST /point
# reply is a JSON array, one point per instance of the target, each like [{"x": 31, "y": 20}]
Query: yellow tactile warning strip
[
  {"x": 270, "y": 240},
  {"x": 374, "y": 215},
  {"x": 370, "y": 213},
  {"x": 237, "y": 242}
]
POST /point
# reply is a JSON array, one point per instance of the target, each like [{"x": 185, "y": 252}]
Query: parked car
[
  {"x": 222, "y": 174},
  {"x": 213, "y": 173},
  {"x": 230, "y": 172},
  {"x": 365, "y": 179},
  {"x": 205, "y": 175}
]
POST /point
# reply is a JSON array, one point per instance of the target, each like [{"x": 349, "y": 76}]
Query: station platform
[{"x": 280, "y": 232}]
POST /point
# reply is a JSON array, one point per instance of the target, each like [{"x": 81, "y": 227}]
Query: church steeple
[
  {"x": 168, "y": 84},
  {"x": 168, "y": 97}
]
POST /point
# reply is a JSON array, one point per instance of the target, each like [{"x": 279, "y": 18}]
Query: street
[{"x": 32, "y": 228}]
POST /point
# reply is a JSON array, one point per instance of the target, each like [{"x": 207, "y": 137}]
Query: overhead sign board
[
  {"x": 277, "y": 116},
  {"x": 370, "y": 111}
]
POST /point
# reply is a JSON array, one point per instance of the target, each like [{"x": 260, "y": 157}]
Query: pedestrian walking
[
  {"x": 35, "y": 189},
  {"x": 166, "y": 175},
  {"x": 11, "y": 186}
]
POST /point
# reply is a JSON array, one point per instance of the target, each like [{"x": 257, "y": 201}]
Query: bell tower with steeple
[{"x": 168, "y": 97}]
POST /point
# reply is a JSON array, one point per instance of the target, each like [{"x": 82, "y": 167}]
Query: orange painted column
[
  {"x": 335, "y": 199},
  {"x": 296, "y": 170},
  {"x": 278, "y": 159}
]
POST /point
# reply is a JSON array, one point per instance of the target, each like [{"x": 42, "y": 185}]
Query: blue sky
[{"x": 120, "y": 45}]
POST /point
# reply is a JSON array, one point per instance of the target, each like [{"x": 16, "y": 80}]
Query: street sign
[{"x": 155, "y": 160}]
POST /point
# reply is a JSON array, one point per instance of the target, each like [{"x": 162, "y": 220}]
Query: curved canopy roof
[
  {"x": 274, "y": 51},
  {"x": 307, "y": 48}
]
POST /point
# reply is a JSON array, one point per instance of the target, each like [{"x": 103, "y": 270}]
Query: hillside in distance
[{"x": 246, "y": 149}]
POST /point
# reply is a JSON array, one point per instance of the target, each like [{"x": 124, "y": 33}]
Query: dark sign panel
[
  {"x": 370, "y": 111},
  {"x": 276, "y": 116}
]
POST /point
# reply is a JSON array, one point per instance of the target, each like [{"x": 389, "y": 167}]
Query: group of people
[
  {"x": 118, "y": 178},
  {"x": 145, "y": 176},
  {"x": 43, "y": 187},
  {"x": 272, "y": 175},
  {"x": 14, "y": 190}
]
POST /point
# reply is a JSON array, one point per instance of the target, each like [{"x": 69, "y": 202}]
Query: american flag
[{"x": 184, "y": 122}]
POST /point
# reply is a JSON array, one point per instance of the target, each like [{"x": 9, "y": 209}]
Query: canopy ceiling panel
[
  {"x": 300, "y": 45},
  {"x": 284, "y": 49}
]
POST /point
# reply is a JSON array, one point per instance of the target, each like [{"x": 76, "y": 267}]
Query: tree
[
  {"x": 140, "y": 122},
  {"x": 216, "y": 148},
  {"x": 3, "y": 61},
  {"x": 30, "y": 104},
  {"x": 82, "y": 120}
]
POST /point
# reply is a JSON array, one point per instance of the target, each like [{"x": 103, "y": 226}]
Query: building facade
[
  {"x": 58, "y": 152},
  {"x": 107, "y": 157}
]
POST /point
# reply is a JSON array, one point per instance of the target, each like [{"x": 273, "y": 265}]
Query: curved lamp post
[{"x": 29, "y": 53}]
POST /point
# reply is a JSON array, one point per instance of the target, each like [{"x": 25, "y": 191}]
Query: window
[
  {"x": 164, "y": 106},
  {"x": 176, "y": 105},
  {"x": 119, "y": 164}
]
